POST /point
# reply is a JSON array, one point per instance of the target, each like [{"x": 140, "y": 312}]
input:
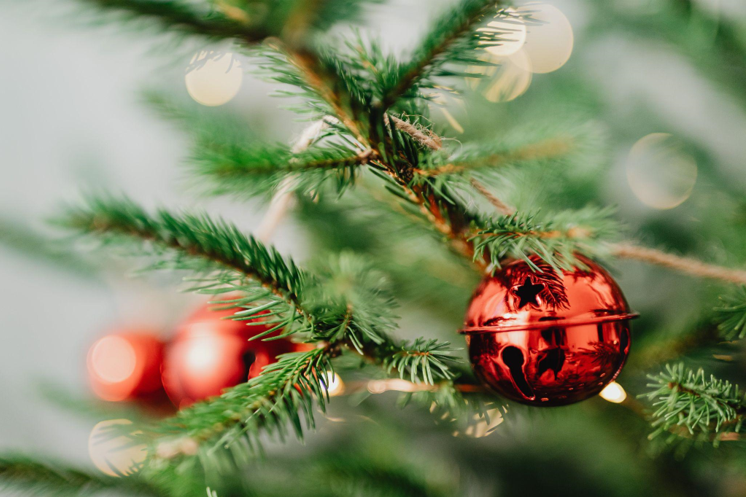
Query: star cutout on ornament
[{"x": 528, "y": 293}]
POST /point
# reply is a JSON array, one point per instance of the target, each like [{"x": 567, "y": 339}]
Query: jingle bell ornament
[
  {"x": 212, "y": 352},
  {"x": 126, "y": 366},
  {"x": 545, "y": 339}
]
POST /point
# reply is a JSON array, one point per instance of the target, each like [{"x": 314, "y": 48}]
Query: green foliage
[
  {"x": 279, "y": 401},
  {"x": 350, "y": 301},
  {"x": 325, "y": 82},
  {"x": 688, "y": 403},
  {"x": 732, "y": 315},
  {"x": 451, "y": 42},
  {"x": 556, "y": 241},
  {"x": 183, "y": 16},
  {"x": 47, "y": 478},
  {"x": 424, "y": 359},
  {"x": 28, "y": 242},
  {"x": 249, "y": 21},
  {"x": 224, "y": 259}
]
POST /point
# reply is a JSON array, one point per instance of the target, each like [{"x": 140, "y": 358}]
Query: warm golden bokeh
[
  {"x": 213, "y": 80},
  {"x": 113, "y": 452},
  {"x": 512, "y": 33},
  {"x": 549, "y": 39},
  {"x": 660, "y": 173},
  {"x": 613, "y": 392}
]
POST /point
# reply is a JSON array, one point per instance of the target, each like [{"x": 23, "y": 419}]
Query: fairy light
[
  {"x": 614, "y": 393},
  {"x": 112, "y": 452},
  {"x": 213, "y": 80},
  {"x": 659, "y": 172},
  {"x": 334, "y": 384},
  {"x": 481, "y": 426},
  {"x": 395, "y": 384},
  {"x": 549, "y": 39},
  {"x": 511, "y": 30}
]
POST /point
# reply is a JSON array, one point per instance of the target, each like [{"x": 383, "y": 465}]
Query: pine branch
[
  {"x": 689, "y": 404},
  {"x": 261, "y": 169},
  {"x": 326, "y": 77},
  {"x": 343, "y": 303},
  {"x": 27, "y": 242},
  {"x": 425, "y": 361},
  {"x": 556, "y": 242},
  {"x": 192, "y": 242},
  {"x": 44, "y": 478},
  {"x": 454, "y": 38},
  {"x": 732, "y": 315},
  {"x": 468, "y": 160},
  {"x": 282, "y": 398},
  {"x": 185, "y": 17}
]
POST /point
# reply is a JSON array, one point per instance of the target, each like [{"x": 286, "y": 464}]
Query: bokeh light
[
  {"x": 113, "y": 452},
  {"x": 660, "y": 173},
  {"x": 613, "y": 392},
  {"x": 213, "y": 80},
  {"x": 512, "y": 32},
  {"x": 112, "y": 359},
  {"x": 503, "y": 80},
  {"x": 334, "y": 384},
  {"x": 481, "y": 426},
  {"x": 395, "y": 384},
  {"x": 549, "y": 39}
]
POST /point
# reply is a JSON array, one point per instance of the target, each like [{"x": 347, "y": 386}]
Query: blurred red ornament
[
  {"x": 212, "y": 352},
  {"x": 544, "y": 339},
  {"x": 127, "y": 366}
]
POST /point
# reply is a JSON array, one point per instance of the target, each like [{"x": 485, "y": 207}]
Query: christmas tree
[{"x": 468, "y": 173}]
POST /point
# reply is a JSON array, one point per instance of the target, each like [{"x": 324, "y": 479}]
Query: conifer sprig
[
  {"x": 279, "y": 401},
  {"x": 186, "y": 17},
  {"x": 51, "y": 478},
  {"x": 688, "y": 403},
  {"x": 453, "y": 39},
  {"x": 228, "y": 259},
  {"x": 556, "y": 241},
  {"x": 341, "y": 303},
  {"x": 732, "y": 315},
  {"x": 421, "y": 361}
]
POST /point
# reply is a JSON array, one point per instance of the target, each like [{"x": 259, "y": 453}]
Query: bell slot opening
[
  {"x": 248, "y": 358},
  {"x": 513, "y": 359}
]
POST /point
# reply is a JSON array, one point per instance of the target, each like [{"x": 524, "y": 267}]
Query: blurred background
[{"x": 663, "y": 81}]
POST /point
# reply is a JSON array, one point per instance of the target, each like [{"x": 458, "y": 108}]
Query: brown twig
[
  {"x": 686, "y": 265},
  {"x": 501, "y": 206}
]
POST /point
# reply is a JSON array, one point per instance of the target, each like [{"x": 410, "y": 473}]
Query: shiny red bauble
[
  {"x": 212, "y": 352},
  {"x": 126, "y": 366},
  {"x": 548, "y": 339}
]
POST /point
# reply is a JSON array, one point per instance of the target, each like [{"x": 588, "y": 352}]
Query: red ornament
[
  {"x": 544, "y": 339},
  {"x": 212, "y": 352},
  {"x": 127, "y": 366}
]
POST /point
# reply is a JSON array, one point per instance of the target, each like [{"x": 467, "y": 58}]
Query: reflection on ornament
[
  {"x": 334, "y": 384},
  {"x": 213, "y": 80},
  {"x": 113, "y": 451},
  {"x": 549, "y": 39},
  {"x": 613, "y": 392},
  {"x": 660, "y": 173},
  {"x": 511, "y": 31},
  {"x": 503, "y": 80},
  {"x": 126, "y": 366}
]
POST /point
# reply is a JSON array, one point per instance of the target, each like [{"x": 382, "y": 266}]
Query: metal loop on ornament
[{"x": 549, "y": 323}]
